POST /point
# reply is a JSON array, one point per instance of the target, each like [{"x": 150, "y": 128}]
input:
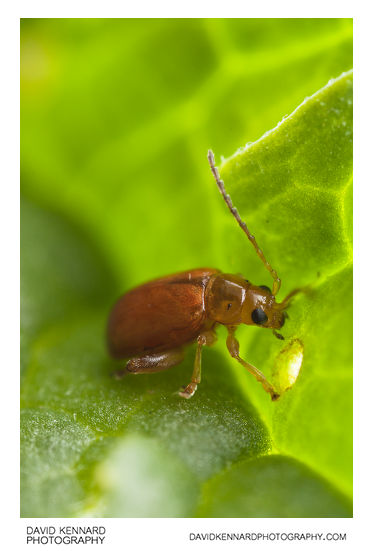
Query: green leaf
[
  {"x": 273, "y": 486},
  {"x": 301, "y": 172},
  {"x": 150, "y": 474},
  {"x": 51, "y": 444},
  {"x": 117, "y": 190}
]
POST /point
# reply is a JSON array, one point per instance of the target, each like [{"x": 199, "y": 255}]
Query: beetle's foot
[
  {"x": 119, "y": 374},
  {"x": 188, "y": 391},
  {"x": 275, "y": 396}
]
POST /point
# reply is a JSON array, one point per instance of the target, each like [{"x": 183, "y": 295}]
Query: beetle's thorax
[{"x": 231, "y": 300}]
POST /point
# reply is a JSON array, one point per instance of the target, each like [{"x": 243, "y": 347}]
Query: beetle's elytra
[{"x": 152, "y": 324}]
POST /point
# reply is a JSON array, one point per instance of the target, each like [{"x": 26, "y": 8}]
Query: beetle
[{"x": 151, "y": 324}]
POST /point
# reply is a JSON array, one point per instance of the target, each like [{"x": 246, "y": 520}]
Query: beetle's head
[
  {"x": 232, "y": 300},
  {"x": 260, "y": 308}
]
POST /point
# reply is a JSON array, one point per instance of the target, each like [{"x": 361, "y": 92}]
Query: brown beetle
[{"x": 152, "y": 323}]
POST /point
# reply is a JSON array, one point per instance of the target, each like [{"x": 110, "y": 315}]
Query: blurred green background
[{"x": 116, "y": 119}]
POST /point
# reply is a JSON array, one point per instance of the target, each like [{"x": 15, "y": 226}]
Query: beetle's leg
[
  {"x": 205, "y": 339},
  {"x": 152, "y": 363},
  {"x": 234, "y": 349},
  {"x": 189, "y": 390}
]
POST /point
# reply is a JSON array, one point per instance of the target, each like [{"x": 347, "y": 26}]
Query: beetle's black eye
[
  {"x": 259, "y": 316},
  {"x": 265, "y": 288},
  {"x": 229, "y": 306}
]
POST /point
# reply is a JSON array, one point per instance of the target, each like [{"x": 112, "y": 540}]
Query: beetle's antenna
[
  {"x": 234, "y": 211},
  {"x": 285, "y": 303}
]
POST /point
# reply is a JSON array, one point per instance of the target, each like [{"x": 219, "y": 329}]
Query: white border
[{"x": 168, "y": 533}]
